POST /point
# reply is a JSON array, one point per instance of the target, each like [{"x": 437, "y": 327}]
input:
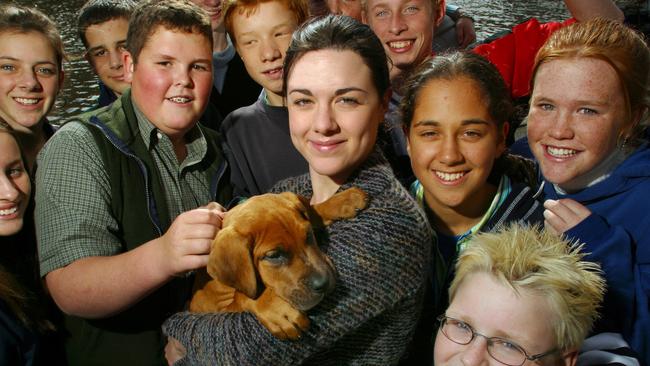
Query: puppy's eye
[{"x": 276, "y": 256}]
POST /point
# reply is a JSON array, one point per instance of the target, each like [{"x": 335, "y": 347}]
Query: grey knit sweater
[{"x": 382, "y": 258}]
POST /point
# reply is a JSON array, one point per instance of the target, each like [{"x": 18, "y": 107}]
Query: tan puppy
[{"x": 265, "y": 260}]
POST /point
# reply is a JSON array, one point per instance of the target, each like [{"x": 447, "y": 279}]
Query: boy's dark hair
[
  {"x": 23, "y": 19},
  {"x": 180, "y": 15},
  {"x": 99, "y": 11}
]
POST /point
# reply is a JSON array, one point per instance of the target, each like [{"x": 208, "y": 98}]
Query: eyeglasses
[{"x": 501, "y": 349}]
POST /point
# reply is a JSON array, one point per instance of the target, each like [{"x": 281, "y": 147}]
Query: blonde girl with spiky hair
[{"x": 521, "y": 296}]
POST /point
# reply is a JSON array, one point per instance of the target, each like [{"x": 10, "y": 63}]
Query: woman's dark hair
[
  {"x": 339, "y": 32},
  {"x": 456, "y": 65}
]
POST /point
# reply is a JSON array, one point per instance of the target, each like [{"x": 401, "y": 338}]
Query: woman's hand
[
  {"x": 174, "y": 350},
  {"x": 564, "y": 214}
]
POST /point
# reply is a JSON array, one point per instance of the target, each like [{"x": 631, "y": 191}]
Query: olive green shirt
[{"x": 73, "y": 193}]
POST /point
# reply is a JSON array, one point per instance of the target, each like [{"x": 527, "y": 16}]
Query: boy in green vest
[{"x": 126, "y": 194}]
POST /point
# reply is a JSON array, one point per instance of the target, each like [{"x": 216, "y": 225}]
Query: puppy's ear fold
[
  {"x": 310, "y": 213},
  {"x": 304, "y": 201},
  {"x": 231, "y": 261}
]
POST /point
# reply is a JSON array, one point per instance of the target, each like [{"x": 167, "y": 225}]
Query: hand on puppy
[{"x": 186, "y": 244}]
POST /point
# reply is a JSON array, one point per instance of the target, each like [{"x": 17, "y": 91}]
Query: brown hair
[
  {"x": 20, "y": 300},
  {"x": 299, "y": 8},
  {"x": 5, "y": 127},
  {"x": 181, "y": 15},
  {"x": 493, "y": 91},
  {"x": 622, "y": 48},
  {"x": 341, "y": 33},
  {"x": 23, "y": 19},
  {"x": 96, "y": 12},
  {"x": 455, "y": 65}
]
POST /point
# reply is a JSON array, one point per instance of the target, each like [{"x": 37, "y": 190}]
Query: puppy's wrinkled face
[{"x": 287, "y": 256}]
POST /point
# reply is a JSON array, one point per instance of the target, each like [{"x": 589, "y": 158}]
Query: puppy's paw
[
  {"x": 350, "y": 202},
  {"x": 285, "y": 325},
  {"x": 279, "y": 317},
  {"x": 356, "y": 198},
  {"x": 343, "y": 205}
]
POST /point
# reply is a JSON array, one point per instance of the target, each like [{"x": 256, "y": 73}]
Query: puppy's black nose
[{"x": 318, "y": 282}]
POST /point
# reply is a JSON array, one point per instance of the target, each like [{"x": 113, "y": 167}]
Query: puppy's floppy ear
[
  {"x": 231, "y": 261},
  {"x": 309, "y": 211}
]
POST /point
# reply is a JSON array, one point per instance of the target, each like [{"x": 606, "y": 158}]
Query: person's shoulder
[
  {"x": 377, "y": 178},
  {"x": 393, "y": 204},
  {"x": 607, "y": 349},
  {"x": 521, "y": 204},
  {"x": 300, "y": 185},
  {"x": 393, "y": 223},
  {"x": 631, "y": 177},
  {"x": 78, "y": 124},
  {"x": 519, "y": 169},
  {"x": 70, "y": 134},
  {"x": 75, "y": 141},
  {"x": 236, "y": 119},
  {"x": 639, "y": 159}
]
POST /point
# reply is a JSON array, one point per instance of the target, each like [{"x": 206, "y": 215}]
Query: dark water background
[{"x": 80, "y": 89}]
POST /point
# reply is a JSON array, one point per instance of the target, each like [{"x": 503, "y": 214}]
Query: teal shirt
[{"x": 444, "y": 258}]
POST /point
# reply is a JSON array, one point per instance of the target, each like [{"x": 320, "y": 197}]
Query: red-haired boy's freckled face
[
  {"x": 106, "y": 43},
  {"x": 172, "y": 80},
  {"x": 262, "y": 39},
  {"x": 30, "y": 78}
]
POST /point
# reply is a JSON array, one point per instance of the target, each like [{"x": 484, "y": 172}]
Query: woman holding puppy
[{"x": 381, "y": 255}]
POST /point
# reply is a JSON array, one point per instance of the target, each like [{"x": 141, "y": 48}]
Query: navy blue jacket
[{"x": 617, "y": 235}]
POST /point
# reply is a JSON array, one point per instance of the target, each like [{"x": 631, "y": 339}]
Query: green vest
[{"x": 134, "y": 336}]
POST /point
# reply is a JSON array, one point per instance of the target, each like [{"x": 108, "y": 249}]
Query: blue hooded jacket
[{"x": 617, "y": 235}]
